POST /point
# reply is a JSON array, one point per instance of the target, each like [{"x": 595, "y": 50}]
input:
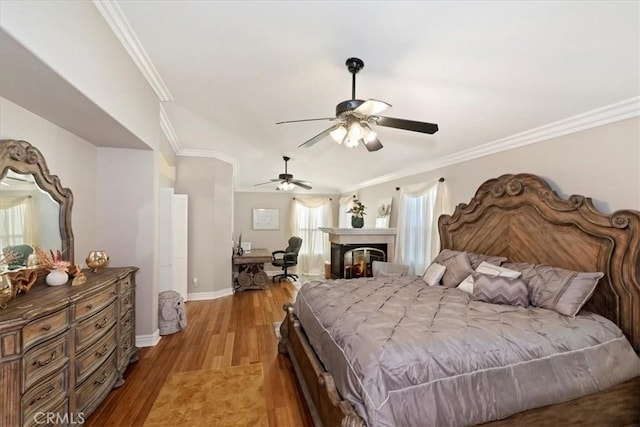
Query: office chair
[{"x": 287, "y": 258}]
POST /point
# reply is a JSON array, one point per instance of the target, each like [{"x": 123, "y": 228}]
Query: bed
[{"x": 514, "y": 216}]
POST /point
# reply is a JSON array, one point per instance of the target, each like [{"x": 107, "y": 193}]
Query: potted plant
[
  {"x": 357, "y": 214},
  {"x": 58, "y": 268}
]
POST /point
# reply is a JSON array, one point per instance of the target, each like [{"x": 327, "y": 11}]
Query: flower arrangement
[
  {"x": 51, "y": 260},
  {"x": 358, "y": 209}
]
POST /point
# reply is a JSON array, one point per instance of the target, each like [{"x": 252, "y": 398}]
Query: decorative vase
[
  {"x": 96, "y": 260},
  {"x": 57, "y": 278},
  {"x": 357, "y": 221}
]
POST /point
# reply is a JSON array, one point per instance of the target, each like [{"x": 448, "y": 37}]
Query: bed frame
[{"x": 522, "y": 218}]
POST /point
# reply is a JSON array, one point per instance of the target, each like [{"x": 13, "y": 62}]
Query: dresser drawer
[
  {"x": 44, "y": 358},
  {"x": 46, "y": 396},
  {"x": 90, "y": 305},
  {"x": 126, "y": 284},
  {"x": 91, "y": 329},
  {"x": 46, "y": 327},
  {"x": 96, "y": 387},
  {"x": 95, "y": 354},
  {"x": 126, "y": 348},
  {"x": 56, "y": 417},
  {"x": 126, "y": 301},
  {"x": 126, "y": 321}
]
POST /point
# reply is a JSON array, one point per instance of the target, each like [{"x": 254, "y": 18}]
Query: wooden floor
[{"x": 230, "y": 331}]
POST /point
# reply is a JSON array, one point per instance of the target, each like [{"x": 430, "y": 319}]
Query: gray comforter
[{"x": 407, "y": 354}]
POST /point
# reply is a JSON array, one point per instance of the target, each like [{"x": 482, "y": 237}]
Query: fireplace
[
  {"x": 354, "y": 260},
  {"x": 378, "y": 242},
  {"x": 357, "y": 262}
]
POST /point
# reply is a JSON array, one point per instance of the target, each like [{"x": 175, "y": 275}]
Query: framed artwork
[
  {"x": 266, "y": 219},
  {"x": 383, "y": 213}
]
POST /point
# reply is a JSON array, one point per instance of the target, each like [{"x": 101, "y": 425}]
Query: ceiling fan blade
[
  {"x": 301, "y": 184},
  {"x": 268, "y": 182},
  {"x": 306, "y": 120},
  {"x": 318, "y": 137},
  {"x": 391, "y": 122},
  {"x": 373, "y": 145},
  {"x": 372, "y": 107}
]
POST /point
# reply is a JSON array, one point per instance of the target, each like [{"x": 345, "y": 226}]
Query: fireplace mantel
[
  {"x": 346, "y": 236},
  {"x": 358, "y": 231}
]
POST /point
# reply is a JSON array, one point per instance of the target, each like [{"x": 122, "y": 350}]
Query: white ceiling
[{"x": 483, "y": 71}]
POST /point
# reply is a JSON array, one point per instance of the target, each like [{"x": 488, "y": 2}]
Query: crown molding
[
  {"x": 169, "y": 132},
  {"x": 111, "y": 12},
  {"x": 602, "y": 116}
]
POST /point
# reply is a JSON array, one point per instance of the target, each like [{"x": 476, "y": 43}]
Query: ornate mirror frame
[{"x": 22, "y": 157}]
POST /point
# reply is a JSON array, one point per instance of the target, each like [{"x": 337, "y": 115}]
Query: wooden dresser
[{"x": 62, "y": 349}]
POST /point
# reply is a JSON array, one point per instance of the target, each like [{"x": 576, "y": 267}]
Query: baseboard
[
  {"x": 148, "y": 340},
  {"x": 200, "y": 296}
]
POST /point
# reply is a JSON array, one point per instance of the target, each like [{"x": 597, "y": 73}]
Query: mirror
[{"x": 34, "y": 207}]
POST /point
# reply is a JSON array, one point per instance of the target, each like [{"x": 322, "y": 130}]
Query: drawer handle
[
  {"x": 46, "y": 327},
  {"x": 102, "y": 352},
  {"x": 45, "y": 362},
  {"x": 37, "y": 399},
  {"x": 103, "y": 380},
  {"x": 89, "y": 306},
  {"x": 125, "y": 346},
  {"x": 102, "y": 324},
  {"x": 126, "y": 301}
]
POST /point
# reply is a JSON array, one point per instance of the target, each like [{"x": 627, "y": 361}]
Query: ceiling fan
[
  {"x": 356, "y": 116},
  {"x": 287, "y": 183}
]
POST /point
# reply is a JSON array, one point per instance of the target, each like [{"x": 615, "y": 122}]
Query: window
[
  {"x": 307, "y": 216},
  {"x": 13, "y": 225},
  {"x": 418, "y": 240},
  {"x": 18, "y": 222},
  {"x": 344, "y": 218}
]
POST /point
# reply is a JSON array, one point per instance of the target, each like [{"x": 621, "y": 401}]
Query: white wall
[
  {"x": 602, "y": 163},
  {"x": 209, "y": 184},
  {"x": 127, "y": 223}
]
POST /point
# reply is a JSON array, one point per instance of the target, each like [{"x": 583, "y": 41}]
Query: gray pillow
[
  {"x": 457, "y": 267},
  {"x": 474, "y": 258},
  {"x": 499, "y": 290},
  {"x": 558, "y": 289}
]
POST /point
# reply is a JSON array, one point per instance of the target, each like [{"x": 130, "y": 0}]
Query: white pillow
[
  {"x": 494, "y": 270},
  {"x": 490, "y": 269},
  {"x": 433, "y": 274}
]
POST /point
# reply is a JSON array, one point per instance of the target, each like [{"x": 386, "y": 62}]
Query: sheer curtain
[
  {"x": 307, "y": 215},
  {"x": 344, "y": 218},
  {"x": 18, "y": 221},
  {"x": 418, "y": 241}
]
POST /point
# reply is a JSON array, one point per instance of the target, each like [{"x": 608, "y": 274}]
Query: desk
[{"x": 248, "y": 270}]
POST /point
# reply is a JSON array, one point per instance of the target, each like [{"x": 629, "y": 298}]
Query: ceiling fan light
[
  {"x": 369, "y": 134},
  {"x": 355, "y": 131},
  {"x": 338, "y": 134},
  {"x": 285, "y": 186}
]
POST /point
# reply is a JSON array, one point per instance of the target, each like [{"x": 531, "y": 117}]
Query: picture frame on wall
[
  {"x": 266, "y": 219},
  {"x": 383, "y": 212}
]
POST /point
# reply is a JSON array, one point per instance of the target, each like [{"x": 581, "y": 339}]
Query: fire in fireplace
[
  {"x": 357, "y": 262},
  {"x": 343, "y": 257}
]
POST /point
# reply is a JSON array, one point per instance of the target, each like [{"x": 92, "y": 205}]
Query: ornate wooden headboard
[{"x": 522, "y": 218}]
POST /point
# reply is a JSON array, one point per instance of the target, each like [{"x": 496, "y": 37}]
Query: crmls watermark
[{"x": 63, "y": 418}]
